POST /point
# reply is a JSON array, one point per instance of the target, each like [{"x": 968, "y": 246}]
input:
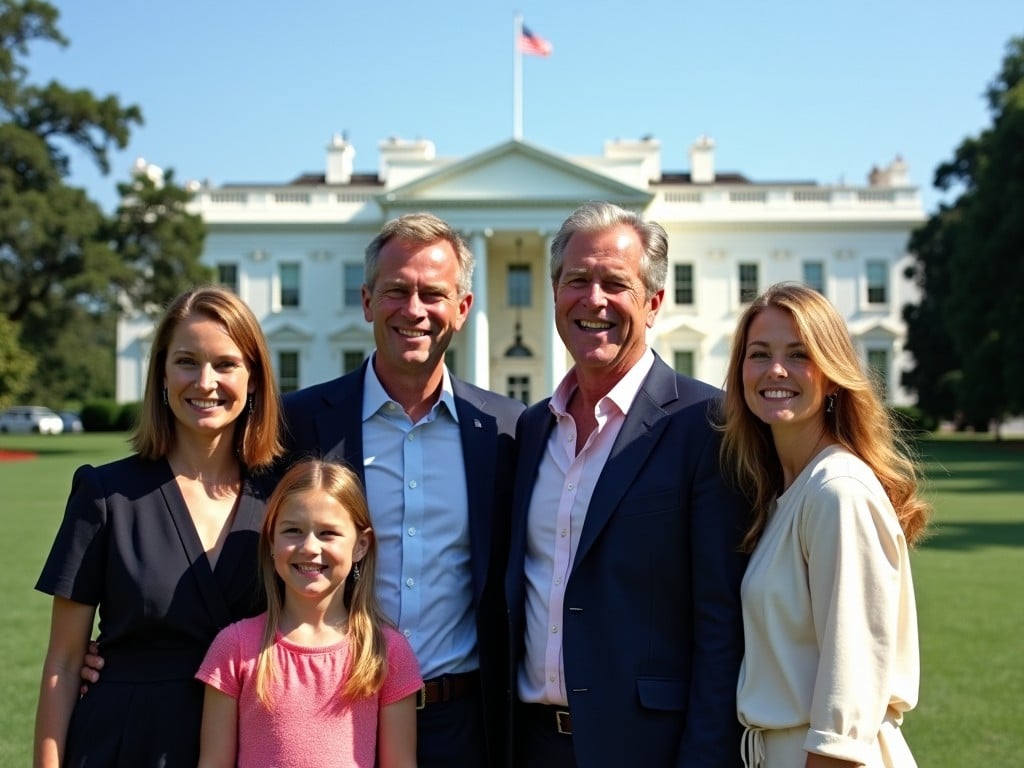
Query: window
[
  {"x": 684, "y": 284},
  {"x": 748, "y": 283},
  {"x": 878, "y": 282},
  {"x": 287, "y": 371},
  {"x": 682, "y": 361},
  {"x": 352, "y": 283},
  {"x": 519, "y": 285},
  {"x": 351, "y": 359},
  {"x": 814, "y": 275},
  {"x": 289, "y": 273},
  {"x": 878, "y": 363},
  {"x": 518, "y": 388},
  {"x": 227, "y": 276}
]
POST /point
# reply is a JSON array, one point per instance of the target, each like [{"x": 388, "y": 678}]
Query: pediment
[
  {"x": 289, "y": 333},
  {"x": 875, "y": 328},
  {"x": 514, "y": 173},
  {"x": 352, "y": 334}
]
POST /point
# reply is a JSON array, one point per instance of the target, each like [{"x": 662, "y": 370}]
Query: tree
[
  {"x": 968, "y": 331},
  {"x": 66, "y": 269},
  {"x": 16, "y": 366}
]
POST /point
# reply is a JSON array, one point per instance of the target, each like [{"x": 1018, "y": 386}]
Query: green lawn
[{"x": 967, "y": 575}]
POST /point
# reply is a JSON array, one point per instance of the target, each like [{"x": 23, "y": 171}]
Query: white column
[
  {"x": 479, "y": 325},
  {"x": 555, "y": 366}
]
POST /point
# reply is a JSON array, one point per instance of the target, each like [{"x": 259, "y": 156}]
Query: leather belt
[
  {"x": 548, "y": 715},
  {"x": 438, "y": 690}
]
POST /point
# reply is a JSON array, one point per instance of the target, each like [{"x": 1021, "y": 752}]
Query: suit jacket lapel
[
  {"x": 339, "y": 425},
  {"x": 479, "y": 432},
  {"x": 639, "y": 434}
]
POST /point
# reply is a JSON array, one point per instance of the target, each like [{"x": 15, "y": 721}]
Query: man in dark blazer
[
  {"x": 436, "y": 457},
  {"x": 624, "y": 568}
]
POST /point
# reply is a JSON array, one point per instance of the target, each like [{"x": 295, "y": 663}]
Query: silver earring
[
  {"x": 355, "y": 572},
  {"x": 165, "y": 395},
  {"x": 250, "y": 404},
  {"x": 830, "y": 403}
]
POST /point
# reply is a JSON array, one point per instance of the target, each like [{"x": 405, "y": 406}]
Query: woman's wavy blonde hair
[{"x": 858, "y": 420}]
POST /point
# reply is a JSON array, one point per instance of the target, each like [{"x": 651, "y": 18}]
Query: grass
[{"x": 966, "y": 573}]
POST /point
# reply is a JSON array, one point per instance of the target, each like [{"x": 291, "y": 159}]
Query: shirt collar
[
  {"x": 621, "y": 395},
  {"x": 375, "y": 397}
]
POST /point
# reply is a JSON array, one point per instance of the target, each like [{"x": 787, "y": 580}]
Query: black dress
[{"x": 128, "y": 545}]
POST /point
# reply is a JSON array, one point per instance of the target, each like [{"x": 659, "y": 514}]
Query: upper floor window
[
  {"x": 287, "y": 371},
  {"x": 227, "y": 276},
  {"x": 878, "y": 282},
  {"x": 684, "y": 284},
  {"x": 519, "y": 294},
  {"x": 352, "y": 285},
  {"x": 289, "y": 273},
  {"x": 748, "y": 283},
  {"x": 814, "y": 275}
]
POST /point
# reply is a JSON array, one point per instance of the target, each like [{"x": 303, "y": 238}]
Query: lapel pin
[{"x": 477, "y": 424}]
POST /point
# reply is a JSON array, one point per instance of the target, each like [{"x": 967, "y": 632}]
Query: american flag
[{"x": 534, "y": 45}]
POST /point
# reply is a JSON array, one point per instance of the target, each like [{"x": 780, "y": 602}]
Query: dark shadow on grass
[{"x": 963, "y": 537}]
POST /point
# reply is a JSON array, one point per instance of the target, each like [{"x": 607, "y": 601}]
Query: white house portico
[{"x": 294, "y": 253}]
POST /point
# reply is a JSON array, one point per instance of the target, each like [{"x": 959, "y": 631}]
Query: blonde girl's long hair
[
  {"x": 367, "y": 645},
  {"x": 859, "y": 420}
]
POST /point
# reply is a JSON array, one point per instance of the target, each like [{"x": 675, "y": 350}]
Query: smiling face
[
  {"x": 415, "y": 307},
  {"x": 782, "y": 386},
  {"x": 314, "y": 545},
  {"x": 602, "y": 310},
  {"x": 206, "y": 376}
]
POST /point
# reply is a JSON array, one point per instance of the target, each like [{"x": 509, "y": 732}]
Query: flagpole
[{"x": 517, "y": 79}]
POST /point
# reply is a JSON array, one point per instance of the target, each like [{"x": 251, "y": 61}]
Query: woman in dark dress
[{"x": 162, "y": 544}]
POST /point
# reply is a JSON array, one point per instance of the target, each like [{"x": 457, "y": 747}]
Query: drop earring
[
  {"x": 165, "y": 395},
  {"x": 830, "y": 403},
  {"x": 355, "y": 573}
]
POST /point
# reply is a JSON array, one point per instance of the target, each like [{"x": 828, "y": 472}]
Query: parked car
[
  {"x": 72, "y": 421},
  {"x": 31, "y": 418}
]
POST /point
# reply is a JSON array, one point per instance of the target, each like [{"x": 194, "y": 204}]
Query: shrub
[
  {"x": 100, "y": 416},
  {"x": 128, "y": 416}
]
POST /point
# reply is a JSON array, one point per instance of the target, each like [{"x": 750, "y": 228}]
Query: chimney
[
  {"x": 702, "y": 161},
  {"x": 340, "y": 155}
]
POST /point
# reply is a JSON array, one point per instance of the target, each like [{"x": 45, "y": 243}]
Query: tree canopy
[
  {"x": 967, "y": 333},
  {"x": 66, "y": 267}
]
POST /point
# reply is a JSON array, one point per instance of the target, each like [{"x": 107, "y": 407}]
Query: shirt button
[
  {"x": 552, "y": 678},
  {"x": 412, "y": 483},
  {"x": 407, "y": 632},
  {"x": 569, "y": 438},
  {"x": 412, "y": 531},
  {"x": 410, "y": 582},
  {"x": 570, "y": 486},
  {"x": 558, "y": 579},
  {"x": 554, "y": 630},
  {"x": 563, "y": 533}
]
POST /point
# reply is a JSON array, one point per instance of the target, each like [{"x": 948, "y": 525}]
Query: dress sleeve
[
  {"x": 222, "y": 666},
  {"x": 403, "y": 675},
  {"x": 851, "y": 541},
  {"x": 75, "y": 568}
]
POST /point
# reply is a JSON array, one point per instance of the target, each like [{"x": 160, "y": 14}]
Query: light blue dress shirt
[{"x": 416, "y": 489}]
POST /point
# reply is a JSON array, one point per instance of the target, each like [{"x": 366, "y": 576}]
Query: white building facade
[{"x": 294, "y": 253}]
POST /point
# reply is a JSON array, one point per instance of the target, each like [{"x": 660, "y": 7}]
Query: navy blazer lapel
[
  {"x": 532, "y": 435},
  {"x": 632, "y": 449},
  {"x": 339, "y": 425},
  {"x": 479, "y": 431}
]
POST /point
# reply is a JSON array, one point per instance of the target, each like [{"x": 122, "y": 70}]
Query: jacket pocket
[{"x": 664, "y": 693}]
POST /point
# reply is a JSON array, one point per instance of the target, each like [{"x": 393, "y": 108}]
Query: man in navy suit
[
  {"x": 624, "y": 568},
  {"x": 436, "y": 457}
]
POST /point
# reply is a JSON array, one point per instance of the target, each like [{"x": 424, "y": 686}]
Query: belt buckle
[
  {"x": 421, "y": 698},
  {"x": 564, "y": 723}
]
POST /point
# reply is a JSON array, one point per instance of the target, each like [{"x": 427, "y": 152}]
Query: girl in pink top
[{"x": 321, "y": 673}]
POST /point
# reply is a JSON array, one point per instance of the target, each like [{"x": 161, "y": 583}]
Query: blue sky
[{"x": 252, "y": 92}]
